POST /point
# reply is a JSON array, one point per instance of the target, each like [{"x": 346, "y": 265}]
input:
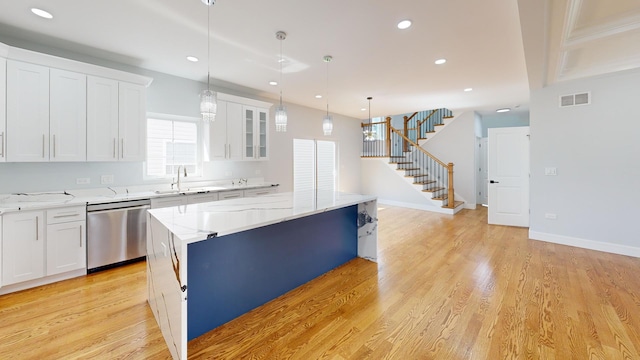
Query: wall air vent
[{"x": 575, "y": 99}]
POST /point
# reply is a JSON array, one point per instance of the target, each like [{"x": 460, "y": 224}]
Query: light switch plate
[
  {"x": 550, "y": 171},
  {"x": 83, "y": 181}
]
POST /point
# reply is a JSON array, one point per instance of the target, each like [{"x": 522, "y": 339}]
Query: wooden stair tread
[
  {"x": 430, "y": 132},
  {"x": 433, "y": 190},
  {"x": 400, "y": 162},
  {"x": 424, "y": 182},
  {"x": 409, "y": 169},
  {"x": 416, "y": 175},
  {"x": 447, "y": 117},
  {"x": 438, "y": 125},
  {"x": 455, "y": 204}
]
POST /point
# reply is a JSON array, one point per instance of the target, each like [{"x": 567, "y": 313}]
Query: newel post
[
  {"x": 450, "y": 197},
  {"x": 388, "y": 136},
  {"x": 405, "y": 145}
]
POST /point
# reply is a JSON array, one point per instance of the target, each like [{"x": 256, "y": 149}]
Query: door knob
[{"x": 494, "y": 182}]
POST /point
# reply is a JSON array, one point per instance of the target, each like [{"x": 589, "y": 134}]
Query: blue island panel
[{"x": 232, "y": 274}]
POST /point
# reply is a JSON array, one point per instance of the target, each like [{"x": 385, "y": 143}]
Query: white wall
[
  {"x": 178, "y": 96},
  {"x": 596, "y": 150},
  {"x": 456, "y": 143}
]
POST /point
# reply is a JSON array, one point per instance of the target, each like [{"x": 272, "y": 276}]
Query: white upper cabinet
[
  {"x": 3, "y": 109},
  {"x": 102, "y": 119},
  {"x": 131, "y": 122},
  {"x": 27, "y": 112},
  {"x": 63, "y": 110},
  {"x": 115, "y": 120},
  {"x": 226, "y": 132},
  {"x": 256, "y": 133},
  {"x": 68, "y": 116}
]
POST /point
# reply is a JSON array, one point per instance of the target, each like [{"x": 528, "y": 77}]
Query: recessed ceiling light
[
  {"x": 363, "y": 109},
  {"x": 273, "y": 83},
  {"x": 318, "y": 96},
  {"x": 503, "y": 110},
  {"x": 468, "y": 89},
  {"x": 42, "y": 13},
  {"x": 404, "y": 24},
  {"x": 192, "y": 58},
  {"x": 441, "y": 61}
]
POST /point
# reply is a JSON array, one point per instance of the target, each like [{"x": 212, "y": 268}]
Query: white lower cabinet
[
  {"x": 168, "y": 201},
  {"x": 260, "y": 191},
  {"x": 36, "y": 244},
  {"x": 233, "y": 194},
  {"x": 23, "y": 246},
  {"x": 66, "y": 240},
  {"x": 202, "y": 198}
]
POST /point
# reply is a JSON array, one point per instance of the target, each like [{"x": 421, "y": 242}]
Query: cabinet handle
[
  {"x": 229, "y": 145},
  {"x": 122, "y": 153},
  {"x": 37, "y": 227},
  {"x": 114, "y": 148},
  {"x": 64, "y": 216},
  {"x": 225, "y": 151},
  {"x": 54, "y": 145},
  {"x": 42, "y": 145},
  {"x": 80, "y": 235},
  {"x": 2, "y": 145}
]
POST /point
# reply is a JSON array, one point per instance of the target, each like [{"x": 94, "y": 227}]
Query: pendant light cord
[
  {"x": 327, "y": 59},
  {"x": 281, "y": 61},
  {"x": 208, "y": 46}
]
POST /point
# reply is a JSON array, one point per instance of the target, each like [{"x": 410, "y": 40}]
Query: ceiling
[
  {"x": 481, "y": 40},
  {"x": 571, "y": 39}
]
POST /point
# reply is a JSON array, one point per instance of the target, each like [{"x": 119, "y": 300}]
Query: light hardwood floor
[{"x": 444, "y": 288}]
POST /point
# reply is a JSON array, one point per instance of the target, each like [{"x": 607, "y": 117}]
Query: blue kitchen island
[{"x": 210, "y": 263}]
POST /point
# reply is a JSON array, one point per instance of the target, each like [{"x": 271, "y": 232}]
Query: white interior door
[
  {"x": 508, "y": 164},
  {"x": 483, "y": 172}
]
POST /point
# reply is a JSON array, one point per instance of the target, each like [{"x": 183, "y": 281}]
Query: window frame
[{"x": 200, "y": 133}]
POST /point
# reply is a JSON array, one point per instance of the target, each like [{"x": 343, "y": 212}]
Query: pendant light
[
  {"x": 327, "y": 122},
  {"x": 369, "y": 134},
  {"x": 208, "y": 98},
  {"x": 281, "y": 111}
]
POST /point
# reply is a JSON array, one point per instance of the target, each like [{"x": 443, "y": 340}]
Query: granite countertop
[
  {"x": 55, "y": 199},
  {"x": 196, "y": 222}
]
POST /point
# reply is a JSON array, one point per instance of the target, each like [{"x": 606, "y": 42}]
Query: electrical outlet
[
  {"x": 106, "y": 179},
  {"x": 550, "y": 171},
  {"x": 551, "y": 216},
  {"x": 83, "y": 181}
]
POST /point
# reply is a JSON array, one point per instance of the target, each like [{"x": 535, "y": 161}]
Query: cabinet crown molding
[{"x": 33, "y": 57}]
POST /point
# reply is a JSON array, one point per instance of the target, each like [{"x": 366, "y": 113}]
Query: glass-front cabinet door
[
  {"x": 256, "y": 133},
  {"x": 249, "y": 144}
]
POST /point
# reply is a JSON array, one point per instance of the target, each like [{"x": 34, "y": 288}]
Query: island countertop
[{"x": 197, "y": 222}]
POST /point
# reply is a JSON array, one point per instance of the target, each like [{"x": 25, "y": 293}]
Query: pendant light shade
[
  {"x": 327, "y": 124},
  {"x": 281, "y": 111},
  {"x": 327, "y": 121},
  {"x": 208, "y": 105},
  {"x": 208, "y": 98},
  {"x": 369, "y": 133}
]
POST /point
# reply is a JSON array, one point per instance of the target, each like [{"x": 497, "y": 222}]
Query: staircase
[{"x": 430, "y": 178}]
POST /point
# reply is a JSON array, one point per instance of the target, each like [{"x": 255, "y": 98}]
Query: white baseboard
[
  {"x": 586, "y": 244},
  {"x": 416, "y": 206}
]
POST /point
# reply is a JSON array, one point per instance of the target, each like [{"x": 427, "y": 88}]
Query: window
[
  {"x": 379, "y": 129},
  {"x": 314, "y": 165},
  {"x": 172, "y": 142}
]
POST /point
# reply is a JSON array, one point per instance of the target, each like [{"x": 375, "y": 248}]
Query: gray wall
[
  {"x": 504, "y": 120},
  {"x": 597, "y": 154}
]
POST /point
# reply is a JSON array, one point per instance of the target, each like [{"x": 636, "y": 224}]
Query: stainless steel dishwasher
[{"x": 116, "y": 233}]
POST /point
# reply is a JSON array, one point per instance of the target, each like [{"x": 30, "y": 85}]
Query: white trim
[
  {"x": 244, "y": 100},
  {"x": 33, "y": 57},
  {"x": 586, "y": 244},
  {"x": 416, "y": 206}
]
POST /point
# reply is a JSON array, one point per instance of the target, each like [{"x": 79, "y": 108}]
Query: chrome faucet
[{"x": 185, "y": 175}]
